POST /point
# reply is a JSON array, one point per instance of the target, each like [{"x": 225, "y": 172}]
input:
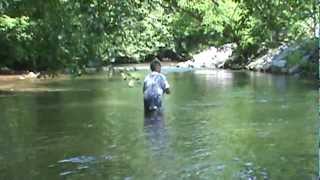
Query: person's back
[{"x": 154, "y": 86}]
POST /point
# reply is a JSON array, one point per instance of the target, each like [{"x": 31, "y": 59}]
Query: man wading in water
[{"x": 154, "y": 86}]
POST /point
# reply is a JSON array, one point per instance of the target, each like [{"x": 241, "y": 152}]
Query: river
[{"x": 217, "y": 124}]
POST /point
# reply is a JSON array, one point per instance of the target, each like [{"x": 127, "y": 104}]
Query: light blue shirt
[{"x": 153, "y": 89}]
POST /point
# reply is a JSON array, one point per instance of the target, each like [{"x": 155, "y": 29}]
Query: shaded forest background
[{"x": 55, "y": 34}]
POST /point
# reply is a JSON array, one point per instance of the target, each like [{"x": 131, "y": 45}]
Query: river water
[{"x": 216, "y": 124}]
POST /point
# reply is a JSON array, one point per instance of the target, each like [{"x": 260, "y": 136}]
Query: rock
[
  {"x": 261, "y": 64},
  {"x": 124, "y": 76},
  {"x": 235, "y": 66},
  {"x": 186, "y": 64},
  {"x": 30, "y": 75},
  {"x": 274, "y": 60},
  {"x": 295, "y": 69},
  {"x": 21, "y": 78},
  {"x": 279, "y": 63},
  {"x": 286, "y": 59},
  {"x": 211, "y": 58},
  {"x": 279, "y": 66},
  {"x": 131, "y": 83},
  {"x": 284, "y": 70},
  {"x": 47, "y": 74}
]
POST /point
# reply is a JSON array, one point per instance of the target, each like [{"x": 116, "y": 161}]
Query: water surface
[{"x": 216, "y": 125}]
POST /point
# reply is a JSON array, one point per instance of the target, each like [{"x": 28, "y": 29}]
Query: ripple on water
[
  {"x": 203, "y": 105},
  {"x": 195, "y": 169},
  {"x": 76, "y": 165},
  {"x": 80, "y": 159},
  {"x": 250, "y": 171},
  {"x": 65, "y": 173}
]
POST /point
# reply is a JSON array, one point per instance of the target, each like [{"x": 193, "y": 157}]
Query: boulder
[
  {"x": 31, "y": 75},
  {"x": 295, "y": 69},
  {"x": 286, "y": 59},
  {"x": 187, "y": 64},
  {"x": 279, "y": 63},
  {"x": 210, "y": 58},
  {"x": 274, "y": 60}
]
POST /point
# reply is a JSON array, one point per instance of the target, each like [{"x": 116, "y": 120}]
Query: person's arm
[
  {"x": 166, "y": 85},
  {"x": 144, "y": 87}
]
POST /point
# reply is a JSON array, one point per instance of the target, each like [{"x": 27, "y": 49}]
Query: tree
[{"x": 54, "y": 34}]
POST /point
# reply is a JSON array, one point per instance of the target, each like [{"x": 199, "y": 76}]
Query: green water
[{"x": 216, "y": 125}]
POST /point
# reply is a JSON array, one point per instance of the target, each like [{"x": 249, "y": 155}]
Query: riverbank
[
  {"x": 298, "y": 59},
  {"x": 6, "y": 80}
]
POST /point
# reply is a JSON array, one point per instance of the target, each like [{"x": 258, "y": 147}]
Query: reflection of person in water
[
  {"x": 155, "y": 130},
  {"x": 154, "y": 119},
  {"x": 154, "y": 86}
]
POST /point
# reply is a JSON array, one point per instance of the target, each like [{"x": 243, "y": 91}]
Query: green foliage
[
  {"x": 56, "y": 34},
  {"x": 306, "y": 56},
  {"x": 14, "y": 39},
  {"x": 294, "y": 58},
  {"x": 273, "y": 22},
  {"x": 311, "y": 66}
]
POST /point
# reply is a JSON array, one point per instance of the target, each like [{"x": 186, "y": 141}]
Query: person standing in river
[{"x": 154, "y": 86}]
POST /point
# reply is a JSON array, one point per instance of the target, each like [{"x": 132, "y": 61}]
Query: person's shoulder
[
  {"x": 155, "y": 75},
  {"x": 162, "y": 75}
]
